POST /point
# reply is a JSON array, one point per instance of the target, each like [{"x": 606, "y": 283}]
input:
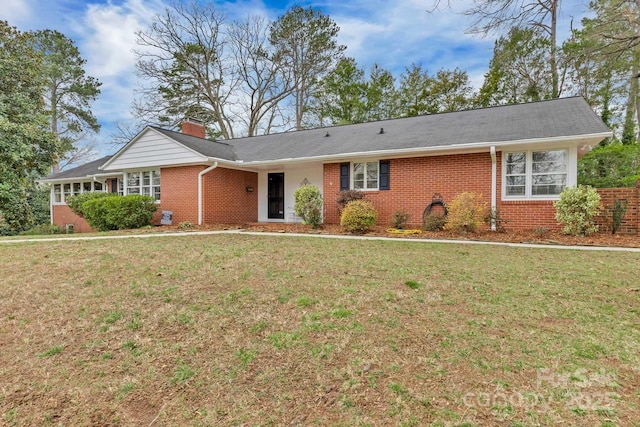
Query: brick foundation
[{"x": 63, "y": 215}]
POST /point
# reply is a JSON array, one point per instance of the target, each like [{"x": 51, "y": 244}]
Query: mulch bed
[{"x": 540, "y": 236}]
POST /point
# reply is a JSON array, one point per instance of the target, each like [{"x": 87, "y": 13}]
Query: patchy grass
[{"x": 257, "y": 330}]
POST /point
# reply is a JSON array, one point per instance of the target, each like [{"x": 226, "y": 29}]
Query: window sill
[{"x": 531, "y": 200}]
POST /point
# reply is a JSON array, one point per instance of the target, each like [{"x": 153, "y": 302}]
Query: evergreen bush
[
  {"x": 577, "y": 209},
  {"x": 119, "y": 212},
  {"x": 75, "y": 203},
  {"x": 308, "y": 204}
]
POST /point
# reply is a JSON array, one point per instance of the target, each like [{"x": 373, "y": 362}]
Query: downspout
[
  {"x": 51, "y": 196},
  {"x": 200, "y": 175},
  {"x": 494, "y": 172}
]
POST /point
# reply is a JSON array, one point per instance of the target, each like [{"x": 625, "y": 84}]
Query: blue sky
[{"x": 393, "y": 34}]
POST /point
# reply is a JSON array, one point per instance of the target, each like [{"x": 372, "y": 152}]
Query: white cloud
[
  {"x": 397, "y": 34},
  {"x": 110, "y": 36},
  {"x": 16, "y": 12}
]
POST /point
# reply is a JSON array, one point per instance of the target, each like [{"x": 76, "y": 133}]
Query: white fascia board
[
  {"x": 62, "y": 180},
  {"x": 79, "y": 178},
  {"x": 107, "y": 174},
  {"x": 440, "y": 150},
  {"x": 207, "y": 161},
  {"x": 105, "y": 166}
]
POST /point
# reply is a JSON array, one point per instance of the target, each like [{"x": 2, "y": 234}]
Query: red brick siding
[
  {"x": 193, "y": 129},
  {"x": 414, "y": 181},
  {"x": 62, "y": 215},
  {"x": 179, "y": 192},
  {"x": 631, "y": 221},
  {"x": 226, "y": 200}
]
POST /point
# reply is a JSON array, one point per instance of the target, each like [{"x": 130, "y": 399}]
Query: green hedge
[
  {"x": 76, "y": 203},
  {"x": 612, "y": 166},
  {"x": 119, "y": 212}
]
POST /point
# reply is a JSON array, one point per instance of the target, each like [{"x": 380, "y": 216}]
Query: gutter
[
  {"x": 200, "y": 175},
  {"x": 494, "y": 190},
  {"x": 479, "y": 146}
]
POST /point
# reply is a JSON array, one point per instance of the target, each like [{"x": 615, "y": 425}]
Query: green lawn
[{"x": 259, "y": 330}]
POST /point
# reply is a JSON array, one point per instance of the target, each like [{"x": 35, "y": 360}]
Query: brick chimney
[{"x": 193, "y": 127}]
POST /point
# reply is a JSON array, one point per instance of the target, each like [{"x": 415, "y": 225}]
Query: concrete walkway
[{"x": 322, "y": 236}]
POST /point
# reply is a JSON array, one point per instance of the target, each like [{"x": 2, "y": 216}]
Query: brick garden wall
[{"x": 631, "y": 221}]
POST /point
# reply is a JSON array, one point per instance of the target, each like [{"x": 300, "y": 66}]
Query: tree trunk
[
  {"x": 55, "y": 168},
  {"x": 628, "y": 131},
  {"x": 554, "y": 58}
]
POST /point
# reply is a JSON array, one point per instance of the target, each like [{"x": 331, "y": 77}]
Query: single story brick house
[{"x": 518, "y": 157}]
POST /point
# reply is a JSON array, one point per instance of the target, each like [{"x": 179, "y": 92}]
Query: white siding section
[
  {"x": 293, "y": 177},
  {"x": 152, "y": 150}
]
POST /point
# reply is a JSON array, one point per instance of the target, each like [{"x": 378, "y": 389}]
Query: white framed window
[
  {"x": 535, "y": 173},
  {"x": 145, "y": 183},
  {"x": 366, "y": 175},
  {"x": 57, "y": 193}
]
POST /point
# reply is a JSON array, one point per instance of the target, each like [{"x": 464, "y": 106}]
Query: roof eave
[
  {"x": 410, "y": 152},
  {"x": 106, "y": 165}
]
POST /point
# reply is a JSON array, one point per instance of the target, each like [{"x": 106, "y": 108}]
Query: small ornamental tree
[
  {"x": 577, "y": 209},
  {"x": 308, "y": 205},
  {"x": 358, "y": 216},
  {"x": 346, "y": 196}
]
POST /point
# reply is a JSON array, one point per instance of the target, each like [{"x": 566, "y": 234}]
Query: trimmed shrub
[
  {"x": 466, "y": 213},
  {"x": 358, "y": 216},
  {"x": 577, "y": 209},
  {"x": 308, "y": 205},
  {"x": 346, "y": 196},
  {"x": 186, "y": 225},
  {"x": 119, "y": 212},
  {"x": 433, "y": 222},
  {"x": 75, "y": 202},
  {"x": 400, "y": 219}
]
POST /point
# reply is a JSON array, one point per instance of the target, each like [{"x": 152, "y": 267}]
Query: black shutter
[
  {"x": 344, "y": 176},
  {"x": 384, "y": 174}
]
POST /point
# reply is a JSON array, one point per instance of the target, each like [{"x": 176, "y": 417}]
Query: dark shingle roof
[
  {"x": 217, "y": 149},
  {"x": 82, "y": 171},
  {"x": 544, "y": 119},
  {"x": 565, "y": 117}
]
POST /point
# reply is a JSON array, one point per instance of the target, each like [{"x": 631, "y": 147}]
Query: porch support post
[
  {"x": 200, "y": 175},
  {"x": 494, "y": 180}
]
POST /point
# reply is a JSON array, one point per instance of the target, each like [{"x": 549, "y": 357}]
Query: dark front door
[{"x": 276, "y": 196}]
